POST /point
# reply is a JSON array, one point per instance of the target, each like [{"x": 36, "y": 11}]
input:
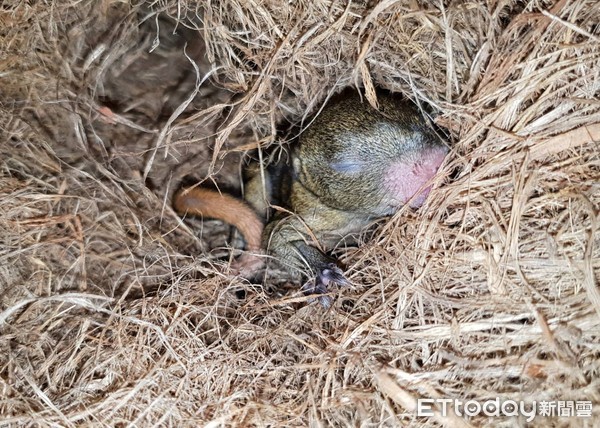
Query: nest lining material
[{"x": 113, "y": 311}]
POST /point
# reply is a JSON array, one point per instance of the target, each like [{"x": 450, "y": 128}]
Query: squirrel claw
[{"x": 330, "y": 274}]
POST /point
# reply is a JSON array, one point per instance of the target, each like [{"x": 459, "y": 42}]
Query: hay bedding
[{"x": 114, "y": 312}]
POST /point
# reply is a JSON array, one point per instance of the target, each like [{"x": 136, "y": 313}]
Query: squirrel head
[{"x": 356, "y": 158}]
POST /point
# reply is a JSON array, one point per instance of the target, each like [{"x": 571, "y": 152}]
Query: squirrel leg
[{"x": 286, "y": 241}]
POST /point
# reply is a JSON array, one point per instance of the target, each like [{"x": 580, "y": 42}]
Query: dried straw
[{"x": 115, "y": 312}]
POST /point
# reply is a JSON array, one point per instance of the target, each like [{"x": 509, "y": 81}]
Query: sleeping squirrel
[{"x": 353, "y": 165}]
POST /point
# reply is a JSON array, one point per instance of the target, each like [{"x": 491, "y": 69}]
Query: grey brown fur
[{"x": 343, "y": 176}]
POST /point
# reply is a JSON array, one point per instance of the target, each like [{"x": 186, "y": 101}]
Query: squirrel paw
[
  {"x": 247, "y": 265},
  {"x": 330, "y": 274}
]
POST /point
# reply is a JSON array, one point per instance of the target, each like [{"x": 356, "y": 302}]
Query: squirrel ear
[{"x": 297, "y": 164}]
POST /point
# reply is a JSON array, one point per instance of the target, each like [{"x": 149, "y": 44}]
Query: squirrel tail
[{"x": 221, "y": 206}]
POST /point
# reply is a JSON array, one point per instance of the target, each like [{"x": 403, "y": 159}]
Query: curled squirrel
[{"x": 353, "y": 165}]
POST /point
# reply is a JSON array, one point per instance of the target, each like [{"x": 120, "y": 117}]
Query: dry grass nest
[{"x": 115, "y": 312}]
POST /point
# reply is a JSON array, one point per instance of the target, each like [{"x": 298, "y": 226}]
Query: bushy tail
[{"x": 209, "y": 203}]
